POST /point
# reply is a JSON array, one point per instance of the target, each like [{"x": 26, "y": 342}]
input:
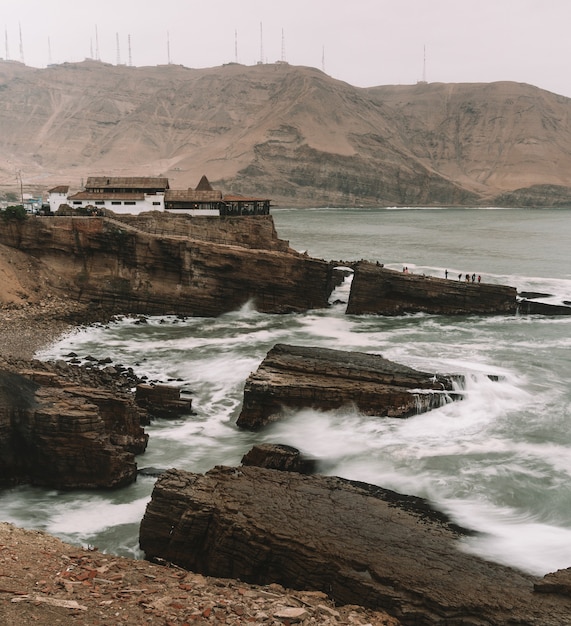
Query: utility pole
[{"x": 19, "y": 177}]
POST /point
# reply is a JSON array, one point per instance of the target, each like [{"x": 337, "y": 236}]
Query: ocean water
[{"x": 499, "y": 462}]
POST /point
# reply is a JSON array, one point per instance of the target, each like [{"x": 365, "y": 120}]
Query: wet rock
[
  {"x": 162, "y": 401},
  {"x": 295, "y": 377},
  {"x": 279, "y": 457},
  {"x": 376, "y": 290},
  {"x": 531, "y": 307},
  {"x": 60, "y": 433},
  {"x": 358, "y": 543}
]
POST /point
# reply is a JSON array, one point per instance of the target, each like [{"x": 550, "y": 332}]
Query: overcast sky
[{"x": 363, "y": 42}]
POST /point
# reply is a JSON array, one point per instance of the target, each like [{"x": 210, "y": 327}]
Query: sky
[{"x": 362, "y": 42}]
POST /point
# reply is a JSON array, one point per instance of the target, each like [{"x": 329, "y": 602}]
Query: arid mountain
[{"x": 290, "y": 133}]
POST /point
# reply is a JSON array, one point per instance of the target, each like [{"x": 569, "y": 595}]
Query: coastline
[{"x": 69, "y": 583}]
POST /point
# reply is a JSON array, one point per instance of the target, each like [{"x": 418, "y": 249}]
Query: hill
[{"x": 290, "y": 133}]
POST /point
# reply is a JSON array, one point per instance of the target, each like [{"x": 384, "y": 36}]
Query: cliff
[
  {"x": 64, "y": 433},
  {"x": 192, "y": 266},
  {"x": 376, "y": 290},
  {"x": 290, "y": 133},
  {"x": 294, "y": 377},
  {"x": 359, "y": 543}
]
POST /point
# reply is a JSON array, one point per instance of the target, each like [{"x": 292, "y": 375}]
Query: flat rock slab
[
  {"x": 376, "y": 290},
  {"x": 298, "y": 377},
  {"x": 359, "y": 543}
]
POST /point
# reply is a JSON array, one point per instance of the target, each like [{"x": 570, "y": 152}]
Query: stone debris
[{"x": 45, "y": 581}]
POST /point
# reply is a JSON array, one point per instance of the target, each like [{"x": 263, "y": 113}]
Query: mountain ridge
[{"x": 286, "y": 132}]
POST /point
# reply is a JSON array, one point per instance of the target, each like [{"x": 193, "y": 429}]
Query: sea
[{"x": 498, "y": 462}]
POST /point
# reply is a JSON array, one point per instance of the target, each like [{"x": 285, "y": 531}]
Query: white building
[
  {"x": 131, "y": 195},
  {"x": 57, "y": 196}
]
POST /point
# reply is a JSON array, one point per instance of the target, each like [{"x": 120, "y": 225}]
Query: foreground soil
[{"x": 47, "y": 582}]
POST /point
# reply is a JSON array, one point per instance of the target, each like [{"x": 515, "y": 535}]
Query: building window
[
  {"x": 77, "y": 202},
  {"x": 129, "y": 202},
  {"x": 115, "y": 202},
  {"x": 156, "y": 204},
  {"x": 100, "y": 202}
]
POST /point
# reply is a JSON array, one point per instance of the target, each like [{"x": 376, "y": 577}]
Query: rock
[
  {"x": 64, "y": 435},
  {"x": 555, "y": 582},
  {"x": 532, "y": 307},
  {"x": 195, "y": 266},
  {"x": 279, "y": 457},
  {"x": 162, "y": 401},
  {"x": 294, "y": 377},
  {"x": 376, "y": 290},
  {"x": 358, "y": 543}
]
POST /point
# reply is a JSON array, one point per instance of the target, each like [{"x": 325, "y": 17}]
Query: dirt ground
[{"x": 44, "y": 581}]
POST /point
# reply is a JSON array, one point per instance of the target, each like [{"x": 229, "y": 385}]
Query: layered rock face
[
  {"x": 124, "y": 269},
  {"x": 294, "y": 377},
  {"x": 376, "y": 290},
  {"x": 63, "y": 435},
  {"x": 359, "y": 543}
]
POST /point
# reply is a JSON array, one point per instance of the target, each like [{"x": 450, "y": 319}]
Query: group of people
[{"x": 468, "y": 277}]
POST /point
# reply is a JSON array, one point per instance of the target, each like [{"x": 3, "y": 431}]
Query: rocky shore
[{"x": 75, "y": 585}]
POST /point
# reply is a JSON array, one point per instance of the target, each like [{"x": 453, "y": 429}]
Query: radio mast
[
  {"x": 21, "y": 45},
  {"x": 129, "y": 45},
  {"x": 118, "y": 49},
  {"x": 261, "y": 61}
]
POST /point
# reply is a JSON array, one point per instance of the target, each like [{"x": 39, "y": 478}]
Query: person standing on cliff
[
  {"x": 479, "y": 279},
  {"x": 445, "y": 273}
]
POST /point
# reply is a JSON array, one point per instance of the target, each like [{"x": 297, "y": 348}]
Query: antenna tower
[
  {"x": 21, "y": 45},
  {"x": 424, "y": 66},
  {"x": 261, "y": 61},
  {"x": 235, "y": 45},
  {"x": 96, "y": 44},
  {"x": 6, "y": 43},
  {"x": 118, "y": 49},
  {"x": 283, "y": 47},
  {"x": 129, "y": 45}
]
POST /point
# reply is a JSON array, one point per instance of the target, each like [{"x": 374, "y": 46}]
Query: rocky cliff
[
  {"x": 359, "y": 543},
  {"x": 376, "y": 290},
  {"x": 295, "y": 377},
  {"x": 185, "y": 266},
  {"x": 64, "y": 434},
  {"x": 290, "y": 133}
]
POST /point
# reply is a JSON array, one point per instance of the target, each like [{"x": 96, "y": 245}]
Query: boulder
[
  {"x": 59, "y": 434},
  {"x": 280, "y": 457},
  {"x": 162, "y": 401},
  {"x": 358, "y": 543},
  {"x": 376, "y": 290},
  {"x": 295, "y": 377},
  {"x": 532, "y": 307}
]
